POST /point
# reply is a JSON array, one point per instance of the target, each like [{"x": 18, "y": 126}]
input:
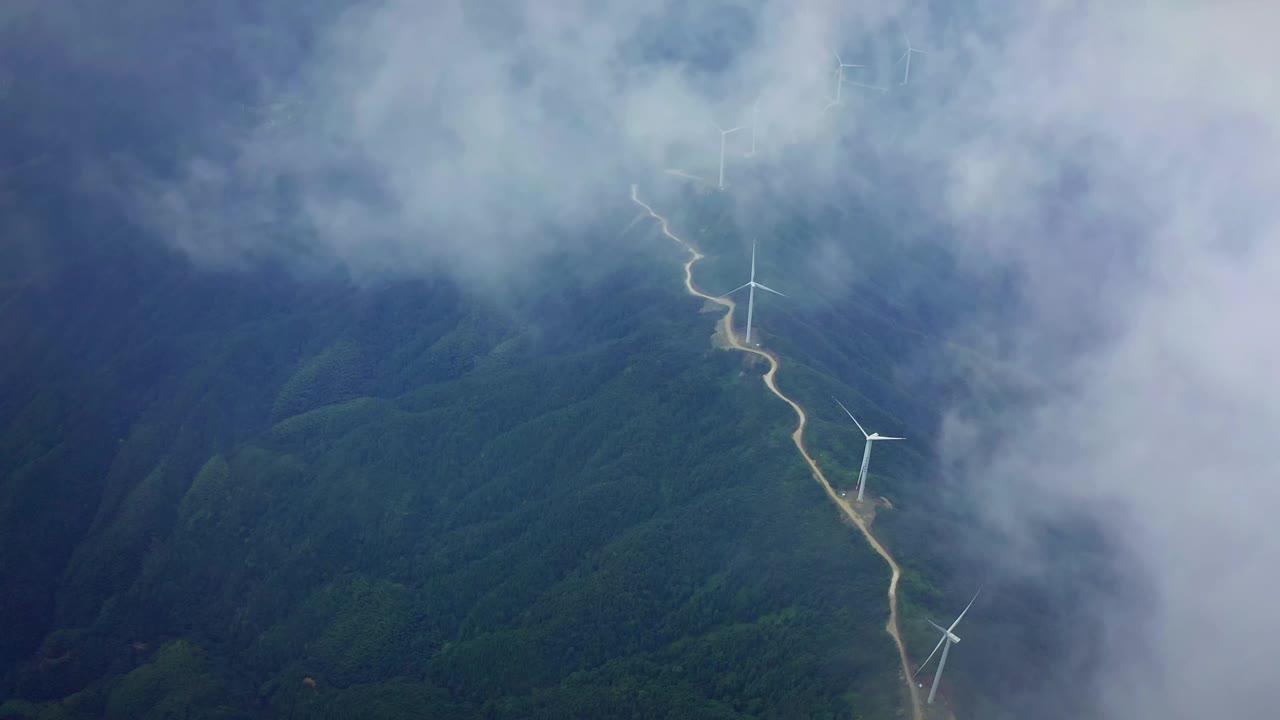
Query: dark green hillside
[{"x": 418, "y": 502}]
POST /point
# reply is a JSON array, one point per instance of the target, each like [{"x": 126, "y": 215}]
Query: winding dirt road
[{"x": 726, "y": 326}]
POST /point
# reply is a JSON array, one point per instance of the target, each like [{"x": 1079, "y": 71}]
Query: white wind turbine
[
  {"x": 840, "y": 66},
  {"x": 907, "y": 56},
  {"x": 866, "y": 453},
  {"x": 949, "y": 638},
  {"x": 723, "y": 134},
  {"x": 751, "y": 294}
]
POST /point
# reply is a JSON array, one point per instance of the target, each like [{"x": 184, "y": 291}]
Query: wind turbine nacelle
[{"x": 952, "y": 637}]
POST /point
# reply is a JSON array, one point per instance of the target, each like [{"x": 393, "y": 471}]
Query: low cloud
[
  {"x": 475, "y": 139},
  {"x": 1123, "y": 160}
]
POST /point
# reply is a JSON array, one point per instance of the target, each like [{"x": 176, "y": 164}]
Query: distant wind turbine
[
  {"x": 948, "y": 638},
  {"x": 840, "y": 66},
  {"x": 866, "y": 453},
  {"x": 723, "y": 134},
  {"x": 906, "y": 75},
  {"x": 751, "y": 294}
]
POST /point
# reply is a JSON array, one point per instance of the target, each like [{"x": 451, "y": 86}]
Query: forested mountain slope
[{"x": 219, "y": 487}]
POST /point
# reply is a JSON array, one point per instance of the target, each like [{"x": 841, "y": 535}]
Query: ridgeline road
[{"x": 726, "y": 326}]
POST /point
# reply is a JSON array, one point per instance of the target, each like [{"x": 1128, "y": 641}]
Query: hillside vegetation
[{"x": 379, "y": 503}]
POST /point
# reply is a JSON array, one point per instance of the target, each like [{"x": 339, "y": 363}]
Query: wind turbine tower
[
  {"x": 840, "y": 66},
  {"x": 949, "y": 638},
  {"x": 866, "y": 452},
  {"x": 724, "y": 134},
  {"x": 906, "y": 75},
  {"x": 751, "y": 293}
]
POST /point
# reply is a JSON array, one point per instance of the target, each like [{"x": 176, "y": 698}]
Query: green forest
[{"x": 334, "y": 502}]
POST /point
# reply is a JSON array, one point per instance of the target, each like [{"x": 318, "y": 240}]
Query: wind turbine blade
[
  {"x": 962, "y": 612},
  {"x": 731, "y": 130},
  {"x": 753, "y": 261},
  {"x": 775, "y": 292},
  {"x": 735, "y": 290},
  {"x": 936, "y": 626},
  {"x": 935, "y": 652},
  {"x": 889, "y": 438},
  {"x": 842, "y": 407},
  {"x": 851, "y": 417}
]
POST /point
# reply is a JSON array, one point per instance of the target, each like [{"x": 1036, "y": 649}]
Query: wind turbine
[
  {"x": 866, "y": 453},
  {"x": 907, "y": 56},
  {"x": 751, "y": 294},
  {"x": 723, "y": 134},
  {"x": 840, "y": 66},
  {"x": 949, "y": 638}
]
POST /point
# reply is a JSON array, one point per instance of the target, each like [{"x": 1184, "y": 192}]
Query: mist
[{"x": 1120, "y": 161}]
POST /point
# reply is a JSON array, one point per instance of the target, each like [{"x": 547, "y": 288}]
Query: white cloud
[{"x": 1166, "y": 243}]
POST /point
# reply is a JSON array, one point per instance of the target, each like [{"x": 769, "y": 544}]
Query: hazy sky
[{"x": 1122, "y": 158}]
